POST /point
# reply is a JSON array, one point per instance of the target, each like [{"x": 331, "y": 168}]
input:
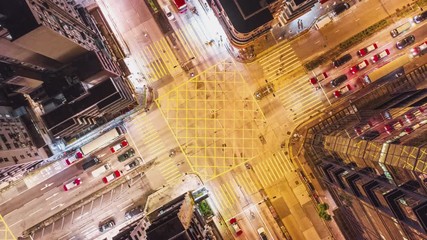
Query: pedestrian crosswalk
[
  {"x": 151, "y": 147},
  {"x": 300, "y": 99},
  {"x": 174, "y": 52},
  {"x": 280, "y": 65},
  {"x": 268, "y": 172},
  {"x": 273, "y": 169},
  {"x": 283, "y": 68}
]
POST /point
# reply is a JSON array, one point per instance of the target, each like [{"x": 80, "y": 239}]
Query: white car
[
  {"x": 111, "y": 177},
  {"x": 119, "y": 146},
  {"x": 76, "y": 182}
]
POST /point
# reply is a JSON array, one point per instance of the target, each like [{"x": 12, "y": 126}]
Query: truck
[
  {"x": 181, "y": 5},
  {"x": 101, "y": 170},
  {"x": 322, "y": 21},
  {"x": 90, "y": 163}
]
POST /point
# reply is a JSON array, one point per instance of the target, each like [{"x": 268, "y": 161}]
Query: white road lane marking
[
  {"x": 59, "y": 205},
  {"x": 46, "y": 186},
  {"x": 121, "y": 210},
  {"x": 15, "y": 223},
  {"x": 52, "y": 196},
  {"x": 31, "y": 214},
  {"x": 55, "y": 201}
]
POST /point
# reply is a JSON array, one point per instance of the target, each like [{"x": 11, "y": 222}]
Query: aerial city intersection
[{"x": 213, "y": 119}]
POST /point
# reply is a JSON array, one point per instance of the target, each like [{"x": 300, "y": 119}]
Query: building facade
[
  {"x": 245, "y": 22},
  {"x": 371, "y": 156},
  {"x": 175, "y": 220},
  {"x": 54, "y": 59},
  {"x": 19, "y": 151}
]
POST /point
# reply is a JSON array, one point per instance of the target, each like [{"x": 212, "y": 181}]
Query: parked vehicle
[
  {"x": 133, "y": 164},
  {"x": 404, "y": 42},
  {"x": 399, "y": 30},
  {"x": 420, "y": 17},
  {"x": 366, "y": 50},
  {"x": 90, "y": 163},
  {"x": 126, "y": 155},
  {"x": 101, "y": 170},
  {"x": 70, "y": 185},
  {"x": 133, "y": 212},
  {"x": 340, "y": 8},
  {"x": 337, "y": 81},
  {"x": 109, "y": 224},
  {"x": 342, "y": 60},
  {"x": 119, "y": 146},
  {"x": 105, "y": 139}
]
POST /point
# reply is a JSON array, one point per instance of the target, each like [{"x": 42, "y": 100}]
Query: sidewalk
[{"x": 188, "y": 182}]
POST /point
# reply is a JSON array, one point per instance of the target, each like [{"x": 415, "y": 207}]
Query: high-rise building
[
  {"x": 19, "y": 149},
  {"x": 175, "y": 220},
  {"x": 54, "y": 60},
  {"x": 246, "y": 20},
  {"x": 371, "y": 156}
]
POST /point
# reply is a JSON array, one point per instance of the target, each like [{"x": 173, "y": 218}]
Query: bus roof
[
  {"x": 388, "y": 68},
  {"x": 100, "y": 141}
]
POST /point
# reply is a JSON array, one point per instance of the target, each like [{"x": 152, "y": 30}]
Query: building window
[
  {"x": 16, "y": 144},
  {"x": 15, "y": 159},
  {"x": 29, "y": 154},
  {"x": 139, "y": 233},
  {"x": 36, "y": 154},
  {"x": 3, "y": 138},
  {"x": 6, "y": 159},
  {"x": 22, "y": 157},
  {"x": 8, "y": 146},
  {"x": 1, "y": 160}
]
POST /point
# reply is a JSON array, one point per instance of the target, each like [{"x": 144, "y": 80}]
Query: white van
[
  {"x": 168, "y": 13},
  {"x": 101, "y": 170}
]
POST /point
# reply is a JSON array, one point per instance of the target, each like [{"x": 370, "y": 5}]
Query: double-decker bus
[
  {"x": 102, "y": 141},
  {"x": 386, "y": 69}
]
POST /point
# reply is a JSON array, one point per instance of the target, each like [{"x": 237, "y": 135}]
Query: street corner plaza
[{"x": 215, "y": 119}]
